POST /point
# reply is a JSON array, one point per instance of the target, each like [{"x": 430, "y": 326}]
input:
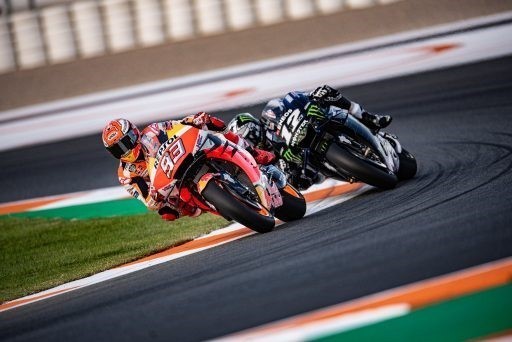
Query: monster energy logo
[
  {"x": 315, "y": 111},
  {"x": 289, "y": 156},
  {"x": 244, "y": 118}
]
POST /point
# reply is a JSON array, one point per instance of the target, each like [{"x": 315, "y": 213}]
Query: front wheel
[
  {"x": 360, "y": 168},
  {"x": 294, "y": 204},
  {"x": 230, "y": 208},
  {"x": 408, "y": 166}
]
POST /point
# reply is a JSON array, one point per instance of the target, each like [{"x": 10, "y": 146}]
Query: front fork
[
  {"x": 275, "y": 179},
  {"x": 271, "y": 180}
]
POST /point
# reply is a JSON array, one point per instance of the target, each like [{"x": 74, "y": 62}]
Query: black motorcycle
[{"x": 339, "y": 146}]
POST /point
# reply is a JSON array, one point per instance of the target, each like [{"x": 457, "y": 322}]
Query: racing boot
[
  {"x": 374, "y": 121},
  {"x": 262, "y": 157}
]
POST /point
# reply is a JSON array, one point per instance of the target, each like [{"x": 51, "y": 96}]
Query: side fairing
[{"x": 181, "y": 141}]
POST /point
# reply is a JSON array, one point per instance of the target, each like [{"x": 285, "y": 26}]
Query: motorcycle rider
[
  {"x": 263, "y": 133},
  {"x": 126, "y": 143}
]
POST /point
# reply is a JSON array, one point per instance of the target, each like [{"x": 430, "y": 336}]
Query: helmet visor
[
  {"x": 272, "y": 113},
  {"x": 124, "y": 145}
]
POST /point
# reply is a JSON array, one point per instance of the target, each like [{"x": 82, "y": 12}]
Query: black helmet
[{"x": 246, "y": 126}]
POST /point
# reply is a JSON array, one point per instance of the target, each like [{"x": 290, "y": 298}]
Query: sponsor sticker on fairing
[{"x": 164, "y": 146}]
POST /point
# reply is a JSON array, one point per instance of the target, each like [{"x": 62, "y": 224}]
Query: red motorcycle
[{"x": 204, "y": 168}]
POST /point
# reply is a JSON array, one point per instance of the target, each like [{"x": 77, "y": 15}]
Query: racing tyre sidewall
[
  {"x": 294, "y": 205},
  {"x": 359, "y": 168},
  {"x": 232, "y": 209},
  {"x": 408, "y": 166}
]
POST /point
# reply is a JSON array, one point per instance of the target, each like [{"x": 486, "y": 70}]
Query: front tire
[
  {"x": 232, "y": 209},
  {"x": 294, "y": 205},
  {"x": 408, "y": 166},
  {"x": 360, "y": 168}
]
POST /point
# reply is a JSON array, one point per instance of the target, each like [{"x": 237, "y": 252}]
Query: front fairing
[
  {"x": 184, "y": 146},
  {"x": 231, "y": 153},
  {"x": 164, "y": 162}
]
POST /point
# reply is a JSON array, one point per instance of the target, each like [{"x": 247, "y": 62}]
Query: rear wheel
[
  {"x": 259, "y": 220},
  {"x": 364, "y": 170},
  {"x": 408, "y": 165},
  {"x": 294, "y": 204}
]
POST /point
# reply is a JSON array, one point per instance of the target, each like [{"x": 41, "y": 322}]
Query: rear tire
[
  {"x": 294, "y": 205},
  {"x": 360, "y": 168},
  {"x": 408, "y": 166},
  {"x": 232, "y": 209}
]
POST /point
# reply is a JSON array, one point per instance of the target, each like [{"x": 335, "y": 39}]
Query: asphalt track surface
[{"x": 455, "y": 214}]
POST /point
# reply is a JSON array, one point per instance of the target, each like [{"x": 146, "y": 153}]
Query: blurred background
[
  {"x": 43, "y": 32},
  {"x": 53, "y": 49}
]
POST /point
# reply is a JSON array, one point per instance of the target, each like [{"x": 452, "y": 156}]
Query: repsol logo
[{"x": 164, "y": 146}]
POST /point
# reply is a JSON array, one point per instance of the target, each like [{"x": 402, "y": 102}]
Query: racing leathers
[{"x": 134, "y": 176}]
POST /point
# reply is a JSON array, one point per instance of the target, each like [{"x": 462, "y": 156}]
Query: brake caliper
[{"x": 268, "y": 177}]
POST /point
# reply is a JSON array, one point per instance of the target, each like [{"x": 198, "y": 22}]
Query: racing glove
[
  {"x": 198, "y": 120},
  {"x": 202, "y": 119},
  {"x": 326, "y": 96}
]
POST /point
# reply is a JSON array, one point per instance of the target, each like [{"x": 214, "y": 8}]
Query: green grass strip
[
  {"x": 120, "y": 207},
  {"x": 37, "y": 254},
  {"x": 468, "y": 317}
]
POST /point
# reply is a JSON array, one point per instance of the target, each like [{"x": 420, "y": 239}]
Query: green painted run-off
[
  {"x": 120, "y": 207},
  {"x": 468, "y": 317}
]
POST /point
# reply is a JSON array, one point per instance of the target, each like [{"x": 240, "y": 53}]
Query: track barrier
[{"x": 33, "y": 36}]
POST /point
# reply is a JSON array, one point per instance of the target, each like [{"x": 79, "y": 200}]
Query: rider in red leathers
[{"x": 126, "y": 143}]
